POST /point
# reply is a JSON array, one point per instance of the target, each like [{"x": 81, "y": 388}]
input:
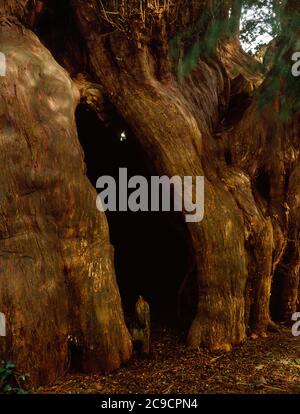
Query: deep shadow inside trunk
[{"x": 151, "y": 254}]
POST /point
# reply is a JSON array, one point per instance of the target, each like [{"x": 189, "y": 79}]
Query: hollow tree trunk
[
  {"x": 57, "y": 276},
  {"x": 243, "y": 236}
]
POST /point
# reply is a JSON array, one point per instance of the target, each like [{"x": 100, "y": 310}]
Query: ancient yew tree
[{"x": 196, "y": 104}]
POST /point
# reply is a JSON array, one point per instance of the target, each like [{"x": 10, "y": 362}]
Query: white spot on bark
[
  {"x": 2, "y": 64},
  {"x": 2, "y": 324}
]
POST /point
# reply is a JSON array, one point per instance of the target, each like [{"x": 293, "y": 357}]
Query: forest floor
[{"x": 270, "y": 365}]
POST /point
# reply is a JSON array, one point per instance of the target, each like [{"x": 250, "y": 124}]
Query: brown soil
[{"x": 269, "y": 365}]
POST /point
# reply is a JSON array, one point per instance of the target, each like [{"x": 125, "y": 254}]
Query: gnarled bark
[
  {"x": 57, "y": 276},
  {"x": 186, "y": 127},
  {"x": 208, "y": 122}
]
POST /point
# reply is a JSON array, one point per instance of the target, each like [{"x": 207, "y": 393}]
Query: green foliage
[
  {"x": 260, "y": 22},
  {"x": 281, "y": 83},
  {"x": 10, "y": 382},
  {"x": 185, "y": 47}
]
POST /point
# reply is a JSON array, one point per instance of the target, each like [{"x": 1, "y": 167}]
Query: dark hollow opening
[
  {"x": 228, "y": 157},
  {"x": 151, "y": 254},
  {"x": 262, "y": 184},
  {"x": 237, "y": 107},
  {"x": 57, "y": 29}
]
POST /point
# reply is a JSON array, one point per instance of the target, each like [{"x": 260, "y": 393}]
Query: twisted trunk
[{"x": 208, "y": 122}]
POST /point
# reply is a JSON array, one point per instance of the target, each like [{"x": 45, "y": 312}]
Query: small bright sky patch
[{"x": 123, "y": 136}]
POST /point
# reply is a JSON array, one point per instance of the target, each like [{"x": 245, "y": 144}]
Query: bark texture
[
  {"x": 211, "y": 122},
  {"x": 57, "y": 277}
]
